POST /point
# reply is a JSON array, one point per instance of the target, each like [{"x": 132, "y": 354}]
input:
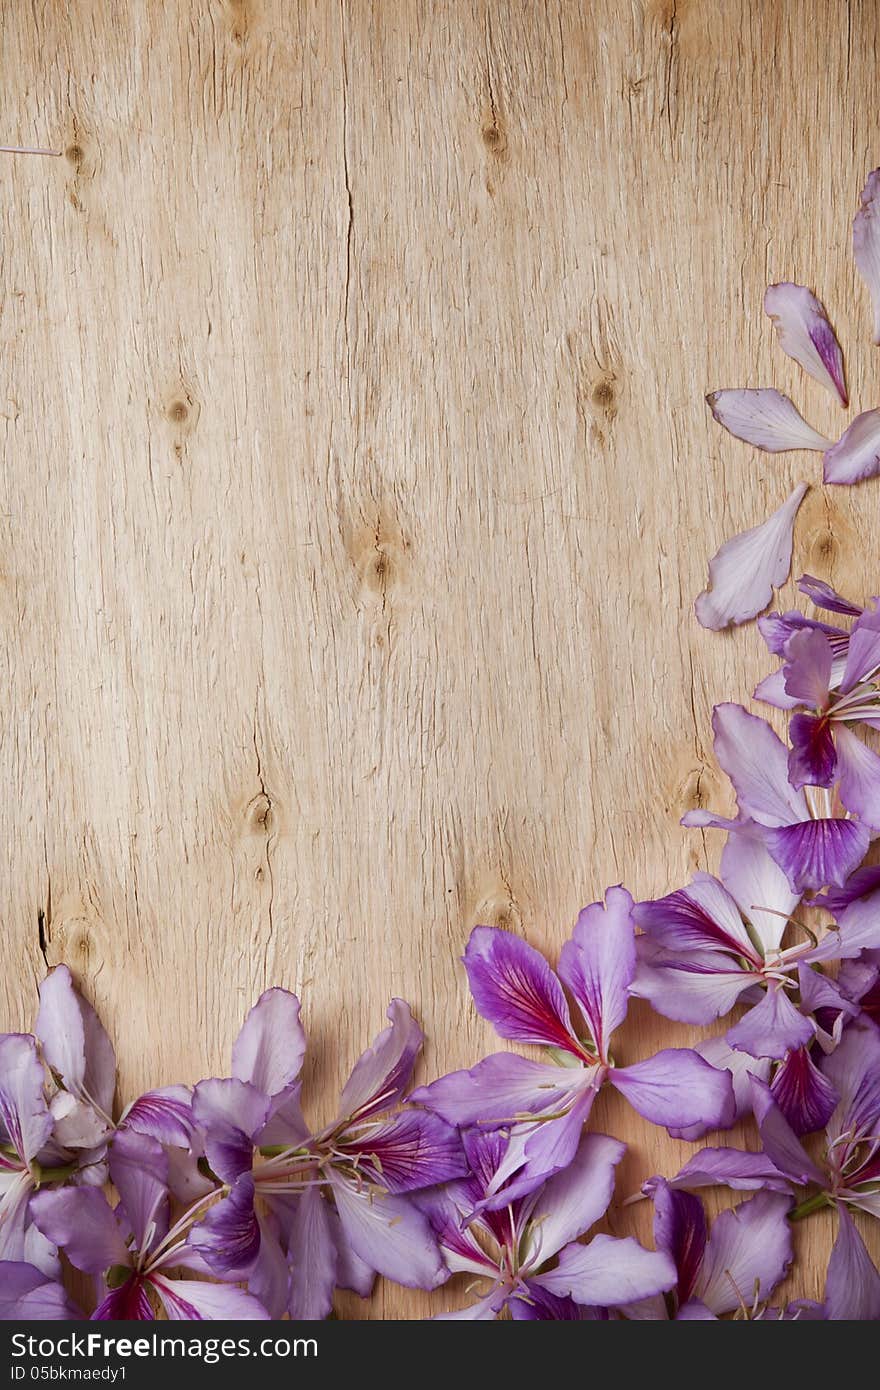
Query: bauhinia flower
[
  {"x": 546, "y": 1104},
  {"x": 778, "y": 628},
  {"x": 733, "y": 1268},
  {"x": 134, "y": 1245},
  {"x": 305, "y": 1212},
  {"x": 807, "y": 830},
  {"x": 528, "y": 1253}
]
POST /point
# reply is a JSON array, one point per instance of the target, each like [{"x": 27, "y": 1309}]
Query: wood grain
[{"x": 357, "y": 483}]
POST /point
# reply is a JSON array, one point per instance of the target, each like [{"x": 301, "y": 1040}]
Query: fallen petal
[
  {"x": 856, "y": 455},
  {"x": 805, "y": 334},
  {"x": 748, "y": 567},
  {"x": 866, "y": 243},
  {"x": 766, "y": 419}
]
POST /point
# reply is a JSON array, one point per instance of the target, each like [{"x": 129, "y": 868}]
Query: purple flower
[
  {"x": 308, "y": 1211},
  {"x": 134, "y": 1245},
  {"x": 734, "y": 1268},
  {"x": 812, "y": 843},
  {"x": 528, "y": 1253},
  {"x": 547, "y": 1104},
  {"x": 29, "y": 1294}
]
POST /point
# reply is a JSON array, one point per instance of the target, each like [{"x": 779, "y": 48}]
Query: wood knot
[
  {"x": 75, "y": 154},
  {"x": 260, "y": 815},
  {"x": 603, "y": 394},
  {"x": 495, "y": 139}
]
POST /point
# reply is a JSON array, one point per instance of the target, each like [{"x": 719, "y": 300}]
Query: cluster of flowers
[{"x": 228, "y": 1203}]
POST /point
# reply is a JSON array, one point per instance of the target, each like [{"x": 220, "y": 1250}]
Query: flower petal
[
  {"x": 24, "y": 1115},
  {"x": 701, "y": 917},
  {"x": 26, "y": 1295},
  {"x": 808, "y": 668},
  {"x": 139, "y": 1172},
  {"x": 128, "y": 1303},
  {"x": 856, "y": 455},
  {"x": 764, "y": 418},
  {"x": 677, "y": 1087},
  {"x": 806, "y": 335},
  {"x": 718, "y": 1053},
  {"x": 858, "y": 770},
  {"x": 746, "y": 570},
  {"x": 759, "y": 886},
  {"x": 812, "y": 759},
  {"x": 515, "y": 989},
  {"x": 74, "y": 1041},
  {"x": 381, "y": 1075},
  {"x": 607, "y": 1272},
  {"x": 412, "y": 1150},
  {"x": 815, "y": 853},
  {"x": 313, "y": 1258},
  {"x": 680, "y": 1228},
  {"x": 231, "y": 1113},
  {"x": 536, "y": 1151},
  {"x": 501, "y": 1089},
  {"x": 164, "y": 1114},
  {"x": 190, "y": 1299},
  {"x": 228, "y": 1235},
  {"x": 599, "y": 962},
  {"x": 805, "y": 1097},
  {"x": 866, "y": 243},
  {"x": 756, "y": 761},
  {"x": 852, "y": 1288},
  {"x": 390, "y": 1234},
  {"x": 773, "y": 1027},
  {"x": 824, "y": 596},
  {"x": 734, "y": 1168},
  {"x": 781, "y": 1144},
  {"x": 695, "y": 990},
  {"x": 537, "y": 1304},
  {"x": 748, "y": 1254},
  {"x": 270, "y": 1048},
  {"x": 575, "y": 1198},
  {"x": 80, "y": 1222}
]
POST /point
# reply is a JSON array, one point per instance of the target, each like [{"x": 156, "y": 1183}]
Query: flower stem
[{"x": 808, "y": 1206}]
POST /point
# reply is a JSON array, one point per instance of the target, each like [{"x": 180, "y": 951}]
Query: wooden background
[{"x": 357, "y": 484}]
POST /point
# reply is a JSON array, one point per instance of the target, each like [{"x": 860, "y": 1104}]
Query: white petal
[
  {"x": 856, "y": 455},
  {"x": 747, "y": 568},
  {"x": 866, "y": 243},
  {"x": 766, "y": 419},
  {"x": 804, "y": 333}
]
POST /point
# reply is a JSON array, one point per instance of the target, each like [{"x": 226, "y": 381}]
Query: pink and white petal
[
  {"x": 536, "y": 1151},
  {"x": 772, "y": 1028},
  {"x": 575, "y": 1199},
  {"x": 515, "y": 989},
  {"x": 381, "y": 1075},
  {"x": 501, "y": 1089},
  {"x": 718, "y": 1053},
  {"x": 866, "y": 243},
  {"x": 805, "y": 1097},
  {"x": 756, "y": 761},
  {"x": 390, "y": 1234},
  {"x": 858, "y": 929},
  {"x": 781, "y": 1144},
  {"x": 230, "y": 1114},
  {"x": 352, "y": 1272},
  {"x": 815, "y": 853},
  {"x": 856, "y": 455},
  {"x": 607, "y": 1273},
  {"x": 852, "y": 1287},
  {"x": 74, "y": 1041},
  {"x": 764, "y": 418},
  {"x": 450, "y": 1221},
  {"x": 689, "y": 991},
  {"x": 24, "y": 1115},
  {"x": 824, "y": 596},
  {"x": 771, "y": 691},
  {"x": 676, "y": 1087},
  {"x": 748, "y": 568},
  {"x": 270, "y": 1048},
  {"x": 164, "y": 1114},
  {"x": 79, "y": 1221},
  {"x": 139, "y": 1172},
  {"x": 598, "y": 964},
  {"x": 808, "y": 668},
  {"x": 735, "y": 1168},
  {"x": 757, "y": 883},
  {"x": 748, "y": 1254},
  {"x": 858, "y": 771},
  {"x": 313, "y": 1258},
  {"x": 186, "y": 1300},
  {"x": 806, "y": 335}
]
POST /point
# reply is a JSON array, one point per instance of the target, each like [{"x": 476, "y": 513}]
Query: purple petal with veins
[
  {"x": 866, "y": 243},
  {"x": 812, "y": 758},
  {"x": 824, "y": 596},
  {"x": 858, "y": 772},
  {"x": 805, "y": 1097},
  {"x": 718, "y": 1053},
  {"x": 852, "y": 1288},
  {"x": 191, "y": 1300},
  {"x": 270, "y": 1048},
  {"x": 772, "y": 1027},
  {"x": 748, "y": 1253},
  {"x": 766, "y": 419},
  {"x": 680, "y": 1228},
  {"x": 808, "y": 668},
  {"x": 23, "y": 1112},
  {"x": 414, "y": 1149},
  {"x": 734, "y": 1168},
  {"x": 164, "y": 1114},
  {"x": 756, "y": 761},
  {"x": 856, "y": 455},
  {"x": 676, "y": 1087},
  {"x": 806, "y": 335},
  {"x": 228, "y": 1235},
  {"x": 815, "y": 853},
  {"x": 598, "y": 964},
  {"x": 515, "y": 989},
  {"x": 781, "y": 1145},
  {"x": 381, "y": 1075},
  {"x": 748, "y": 567},
  {"x": 74, "y": 1041}
]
